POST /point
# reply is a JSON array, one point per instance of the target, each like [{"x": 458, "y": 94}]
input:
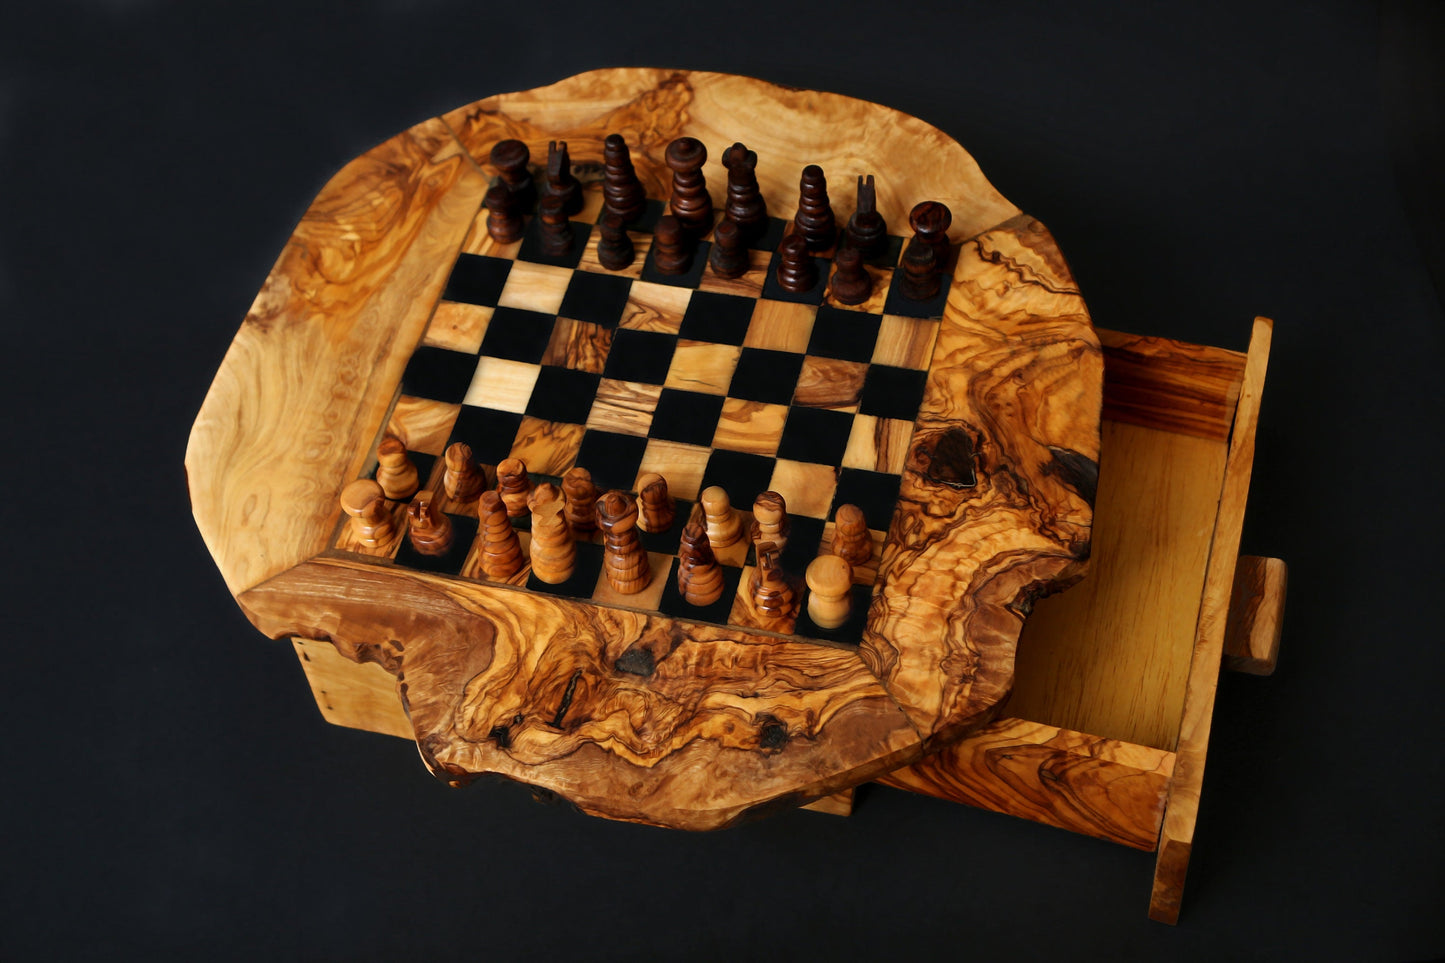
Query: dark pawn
[
  {"x": 745, "y": 201},
  {"x": 671, "y": 249},
  {"x": 930, "y": 221},
  {"x": 504, "y": 222},
  {"x": 867, "y": 230},
  {"x": 556, "y": 236},
  {"x": 560, "y": 182},
  {"x": 510, "y": 158},
  {"x": 691, "y": 204},
  {"x": 614, "y": 248},
  {"x": 622, "y": 191},
  {"x": 729, "y": 255},
  {"x": 852, "y": 284},
  {"x": 796, "y": 272},
  {"x": 921, "y": 279},
  {"x": 815, "y": 215}
]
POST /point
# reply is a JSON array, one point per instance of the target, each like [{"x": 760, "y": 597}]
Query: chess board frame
[{"x": 672, "y": 724}]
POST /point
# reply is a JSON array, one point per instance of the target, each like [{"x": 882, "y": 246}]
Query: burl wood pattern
[{"x": 627, "y": 714}]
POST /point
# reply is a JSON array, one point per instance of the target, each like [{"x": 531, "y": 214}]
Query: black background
[{"x": 170, "y": 786}]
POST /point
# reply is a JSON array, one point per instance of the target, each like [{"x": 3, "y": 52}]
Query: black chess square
[
  {"x": 900, "y": 304},
  {"x": 477, "y": 279},
  {"x": 518, "y": 335},
  {"x": 688, "y": 279},
  {"x": 438, "y": 374},
  {"x": 686, "y": 416},
  {"x": 531, "y": 249},
  {"x": 598, "y": 298},
  {"x": 766, "y": 375},
  {"x": 641, "y": 356},
  {"x": 464, "y": 532},
  {"x": 772, "y": 235},
  {"x": 612, "y": 459},
  {"x": 851, "y": 631},
  {"x": 674, "y": 605},
  {"x": 805, "y": 534},
  {"x": 562, "y": 394},
  {"x": 845, "y": 335},
  {"x": 718, "y": 318},
  {"x": 875, "y": 492},
  {"x": 423, "y": 463},
  {"x": 487, "y": 431},
  {"x": 890, "y": 392},
  {"x": 888, "y": 254},
  {"x": 744, "y": 477},
  {"x": 646, "y": 221},
  {"x": 816, "y": 435},
  {"x": 773, "y": 291},
  {"x": 585, "y": 572},
  {"x": 666, "y": 543}
]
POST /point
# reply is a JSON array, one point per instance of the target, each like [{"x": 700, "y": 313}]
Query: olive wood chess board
[{"x": 968, "y": 429}]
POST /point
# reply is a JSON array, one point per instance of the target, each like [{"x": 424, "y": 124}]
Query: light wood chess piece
[
  {"x": 395, "y": 473},
  {"x": 554, "y": 554},
  {"x": 371, "y": 522},
  {"x": 830, "y": 583}
]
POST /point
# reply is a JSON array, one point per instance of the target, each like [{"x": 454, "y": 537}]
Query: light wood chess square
[
  {"x": 547, "y": 447},
  {"x": 625, "y": 407},
  {"x": 458, "y": 327},
  {"x": 641, "y": 242},
  {"x": 502, "y": 384},
  {"x": 649, "y": 598},
  {"x": 747, "y": 285},
  {"x": 655, "y": 307},
  {"x": 579, "y": 345},
  {"x": 682, "y": 466},
  {"x": 905, "y": 342},
  {"x": 830, "y": 383},
  {"x": 807, "y": 488},
  {"x": 535, "y": 287},
  {"x": 422, "y": 424},
  {"x": 702, "y": 367},
  {"x": 750, "y": 426},
  {"x": 878, "y": 444},
  {"x": 781, "y": 326}
]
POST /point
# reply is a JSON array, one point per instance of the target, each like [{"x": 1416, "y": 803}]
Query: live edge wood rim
[{"x": 726, "y": 723}]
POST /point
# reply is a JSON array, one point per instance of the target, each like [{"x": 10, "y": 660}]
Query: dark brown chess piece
[
  {"x": 699, "y": 577},
  {"x": 671, "y": 248},
  {"x": 815, "y": 218},
  {"x": 930, "y": 221},
  {"x": 921, "y": 280},
  {"x": 504, "y": 221},
  {"x": 851, "y": 284},
  {"x": 462, "y": 481},
  {"x": 501, "y": 549},
  {"x": 729, "y": 254},
  {"x": 772, "y": 594},
  {"x": 615, "y": 249},
  {"x": 691, "y": 204},
  {"x": 510, "y": 158},
  {"x": 513, "y": 484},
  {"x": 656, "y": 505},
  {"x": 745, "y": 204},
  {"x": 867, "y": 230},
  {"x": 796, "y": 271},
  {"x": 430, "y": 531},
  {"x": 851, "y": 540},
  {"x": 622, "y": 191},
  {"x": 560, "y": 182},
  {"x": 623, "y": 560},
  {"x": 770, "y": 520},
  {"x": 580, "y": 497},
  {"x": 556, "y": 233}
]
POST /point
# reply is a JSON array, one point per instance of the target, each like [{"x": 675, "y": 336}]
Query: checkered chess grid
[{"x": 707, "y": 381}]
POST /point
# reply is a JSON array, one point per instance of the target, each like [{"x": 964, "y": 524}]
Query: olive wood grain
[
  {"x": 1256, "y": 615},
  {"x": 629, "y": 714},
  {"x": 1176, "y": 839}
]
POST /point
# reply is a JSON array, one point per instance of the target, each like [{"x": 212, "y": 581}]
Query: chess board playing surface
[{"x": 702, "y": 379}]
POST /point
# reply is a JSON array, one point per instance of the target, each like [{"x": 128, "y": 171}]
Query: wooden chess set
[{"x": 691, "y": 448}]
